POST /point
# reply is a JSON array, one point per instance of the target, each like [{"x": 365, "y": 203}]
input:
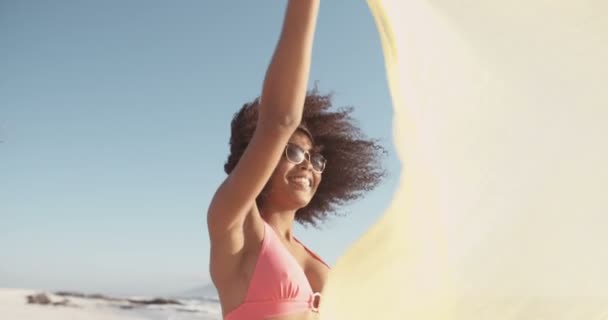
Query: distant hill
[{"x": 207, "y": 291}]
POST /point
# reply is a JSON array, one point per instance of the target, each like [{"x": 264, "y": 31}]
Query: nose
[{"x": 306, "y": 165}]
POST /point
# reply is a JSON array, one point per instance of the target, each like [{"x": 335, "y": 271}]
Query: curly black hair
[{"x": 353, "y": 161}]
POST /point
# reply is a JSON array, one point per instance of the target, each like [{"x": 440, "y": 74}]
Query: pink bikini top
[{"x": 278, "y": 286}]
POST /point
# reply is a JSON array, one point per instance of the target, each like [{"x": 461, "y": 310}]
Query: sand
[{"x": 13, "y": 305}]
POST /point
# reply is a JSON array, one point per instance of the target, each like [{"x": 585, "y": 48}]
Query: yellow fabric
[{"x": 501, "y": 126}]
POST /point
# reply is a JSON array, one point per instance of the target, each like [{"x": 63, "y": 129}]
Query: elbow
[
  {"x": 283, "y": 120},
  {"x": 288, "y": 121},
  {"x": 282, "y": 108}
]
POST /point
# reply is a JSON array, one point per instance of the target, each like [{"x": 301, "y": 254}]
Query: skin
[
  {"x": 234, "y": 221},
  {"x": 284, "y": 198}
]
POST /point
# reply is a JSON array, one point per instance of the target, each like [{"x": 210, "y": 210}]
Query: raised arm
[{"x": 280, "y": 112}]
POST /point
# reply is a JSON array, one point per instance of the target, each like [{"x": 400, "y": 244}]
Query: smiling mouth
[{"x": 301, "y": 181}]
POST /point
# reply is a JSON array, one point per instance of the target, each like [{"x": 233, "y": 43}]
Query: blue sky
[{"x": 114, "y": 117}]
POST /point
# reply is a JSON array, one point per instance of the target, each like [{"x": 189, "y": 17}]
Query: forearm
[{"x": 286, "y": 79}]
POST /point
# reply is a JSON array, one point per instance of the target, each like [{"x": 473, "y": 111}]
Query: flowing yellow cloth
[{"x": 501, "y": 126}]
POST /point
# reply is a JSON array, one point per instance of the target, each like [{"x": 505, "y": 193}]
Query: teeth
[{"x": 303, "y": 181}]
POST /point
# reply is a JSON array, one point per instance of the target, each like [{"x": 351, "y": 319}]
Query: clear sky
[{"x": 114, "y": 121}]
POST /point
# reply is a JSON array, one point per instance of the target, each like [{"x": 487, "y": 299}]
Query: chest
[
  {"x": 289, "y": 268},
  {"x": 315, "y": 271}
]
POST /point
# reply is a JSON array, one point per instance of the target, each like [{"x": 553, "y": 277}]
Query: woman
[{"x": 290, "y": 160}]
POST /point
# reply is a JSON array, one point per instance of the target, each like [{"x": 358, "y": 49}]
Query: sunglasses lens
[
  {"x": 294, "y": 154},
  {"x": 318, "y": 162}
]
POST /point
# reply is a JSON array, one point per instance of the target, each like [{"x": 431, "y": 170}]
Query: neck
[{"x": 281, "y": 221}]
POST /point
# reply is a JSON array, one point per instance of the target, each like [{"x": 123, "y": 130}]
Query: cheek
[
  {"x": 280, "y": 172},
  {"x": 284, "y": 167}
]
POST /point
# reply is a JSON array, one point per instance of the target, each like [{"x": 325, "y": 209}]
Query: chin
[{"x": 301, "y": 202}]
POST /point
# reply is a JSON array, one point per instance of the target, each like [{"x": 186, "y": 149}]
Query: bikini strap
[{"x": 312, "y": 253}]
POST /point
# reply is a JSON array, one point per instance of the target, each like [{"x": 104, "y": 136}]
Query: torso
[{"x": 232, "y": 275}]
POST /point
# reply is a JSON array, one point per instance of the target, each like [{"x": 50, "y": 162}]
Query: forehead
[{"x": 301, "y": 139}]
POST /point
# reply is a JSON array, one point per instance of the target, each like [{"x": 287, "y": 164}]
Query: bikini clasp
[{"x": 315, "y": 300}]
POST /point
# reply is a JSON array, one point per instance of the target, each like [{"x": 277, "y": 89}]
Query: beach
[{"x": 44, "y": 305}]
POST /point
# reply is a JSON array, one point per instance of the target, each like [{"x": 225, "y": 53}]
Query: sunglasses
[{"x": 297, "y": 155}]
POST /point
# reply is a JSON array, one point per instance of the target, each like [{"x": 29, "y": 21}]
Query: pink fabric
[{"x": 278, "y": 286}]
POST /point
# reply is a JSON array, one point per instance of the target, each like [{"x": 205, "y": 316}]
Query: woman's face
[{"x": 292, "y": 186}]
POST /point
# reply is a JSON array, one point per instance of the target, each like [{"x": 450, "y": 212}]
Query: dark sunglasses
[{"x": 297, "y": 155}]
